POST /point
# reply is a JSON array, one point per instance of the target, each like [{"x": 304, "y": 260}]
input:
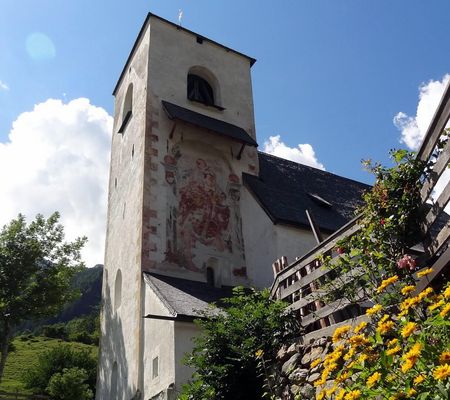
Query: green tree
[
  {"x": 55, "y": 361},
  {"x": 230, "y": 354},
  {"x": 36, "y": 268},
  {"x": 70, "y": 384}
]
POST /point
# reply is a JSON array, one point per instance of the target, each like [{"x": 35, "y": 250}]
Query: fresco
[{"x": 203, "y": 218}]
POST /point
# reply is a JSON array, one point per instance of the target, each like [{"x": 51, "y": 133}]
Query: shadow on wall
[{"x": 112, "y": 378}]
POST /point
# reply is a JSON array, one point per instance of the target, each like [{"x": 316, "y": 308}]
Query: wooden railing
[{"x": 299, "y": 283}]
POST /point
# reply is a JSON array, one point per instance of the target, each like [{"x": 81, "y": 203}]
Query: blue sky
[{"x": 330, "y": 73}]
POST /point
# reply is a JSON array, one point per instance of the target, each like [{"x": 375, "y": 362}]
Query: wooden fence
[{"x": 299, "y": 283}]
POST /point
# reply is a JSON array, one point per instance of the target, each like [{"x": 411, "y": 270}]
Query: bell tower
[{"x": 184, "y": 133}]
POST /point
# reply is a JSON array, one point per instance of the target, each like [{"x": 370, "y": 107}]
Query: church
[{"x": 194, "y": 208}]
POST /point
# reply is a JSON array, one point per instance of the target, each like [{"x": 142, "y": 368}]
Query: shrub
[
  {"x": 55, "y": 361},
  {"x": 70, "y": 384},
  {"x": 224, "y": 354}
]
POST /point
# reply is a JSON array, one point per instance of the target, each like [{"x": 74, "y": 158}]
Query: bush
[
  {"x": 55, "y": 331},
  {"x": 70, "y": 384},
  {"x": 224, "y": 354},
  {"x": 55, "y": 361}
]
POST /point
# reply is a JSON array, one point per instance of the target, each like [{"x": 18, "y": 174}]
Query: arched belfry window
[
  {"x": 127, "y": 110},
  {"x": 198, "y": 89},
  {"x": 210, "y": 276},
  {"x": 118, "y": 290}
]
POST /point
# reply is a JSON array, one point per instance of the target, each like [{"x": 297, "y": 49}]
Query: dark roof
[
  {"x": 286, "y": 189},
  {"x": 184, "y": 297},
  {"x": 220, "y": 127},
  {"x": 141, "y": 32}
]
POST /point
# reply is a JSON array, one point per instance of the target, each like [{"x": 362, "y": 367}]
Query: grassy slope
[{"x": 26, "y": 354}]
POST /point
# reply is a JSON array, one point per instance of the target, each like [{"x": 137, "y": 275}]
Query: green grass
[{"x": 26, "y": 353}]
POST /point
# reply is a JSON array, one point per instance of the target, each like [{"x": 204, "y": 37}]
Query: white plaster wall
[
  {"x": 120, "y": 340},
  {"x": 159, "y": 342},
  {"x": 266, "y": 242},
  {"x": 260, "y": 241},
  {"x": 184, "y": 333}
]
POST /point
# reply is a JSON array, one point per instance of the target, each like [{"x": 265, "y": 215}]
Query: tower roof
[{"x": 179, "y": 27}]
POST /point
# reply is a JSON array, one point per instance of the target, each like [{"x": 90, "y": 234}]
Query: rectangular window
[{"x": 155, "y": 368}]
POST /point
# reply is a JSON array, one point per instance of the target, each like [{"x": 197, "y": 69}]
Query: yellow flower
[
  {"x": 315, "y": 363},
  {"x": 374, "y": 378},
  {"x": 374, "y": 310},
  {"x": 384, "y": 284},
  {"x": 340, "y": 395},
  {"x": 407, "y": 366},
  {"x": 360, "y": 327},
  {"x": 445, "y": 310},
  {"x": 349, "y": 354},
  {"x": 392, "y": 342},
  {"x": 411, "y": 392},
  {"x": 393, "y": 350},
  {"x": 444, "y": 358},
  {"x": 362, "y": 358},
  {"x": 442, "y": 372},
  {"x": 321, "y": 395},
  {"x": 424, "y": 272},
  {"x": 319, "y": 382},
  {"x": 419, "y": 379},
  {"x": 359, "y": 340},
  {"x": 447, "y": 292},
  {"x": 353, "y": 395},
  {"x": 331, "y": 390},
  {"x": 407, "y": 289},
  {"x": 259, "y": 353},
  {"x": 436, "y": 305},
  {"x": 385, "y": 326},
  {"x": 409, "y": 328},
  {"x": 342, "y": 377},
  {"x": 340, "y": 332},
  {"x": 414, "y": 352},
  {"x": 425, "y": 293}
]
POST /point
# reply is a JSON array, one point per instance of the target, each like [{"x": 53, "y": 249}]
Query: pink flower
[
  {"x": 382, "y": 222},
  {"x": 406, "y": 262},
  {"x": 340, "y": 250}
]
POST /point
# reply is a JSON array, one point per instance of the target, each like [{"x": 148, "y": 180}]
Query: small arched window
[
  {"x": 198, "y": 89},
  {"x": 127, "y": 111},
  {"x": 118, "y": 290}
]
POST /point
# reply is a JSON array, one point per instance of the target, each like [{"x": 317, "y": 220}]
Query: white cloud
[
  {"x": 303, "y": 153},
  {"x": 57, "y": 159},
  {"x": 3, "y": 86},
  {"x": 413, "y": 129}
]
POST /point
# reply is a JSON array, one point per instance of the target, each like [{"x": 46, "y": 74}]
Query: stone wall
[{"x": 294, "y": 376}]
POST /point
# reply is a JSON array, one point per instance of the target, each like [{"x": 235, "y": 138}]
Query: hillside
[
  {"x": 25, "y": 354},
  {"x": 89, "y": 283}
]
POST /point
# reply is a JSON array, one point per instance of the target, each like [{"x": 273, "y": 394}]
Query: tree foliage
[
  {"x": 58, "y": 365},
  {"x": 70, "y": 385},
  {"x": 227, "y": 355},
  {"x": 36, "y": 269}
]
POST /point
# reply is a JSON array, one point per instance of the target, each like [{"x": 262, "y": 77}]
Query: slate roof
[
  {"x": 217, "y": 126},
  {"x": 286, "y": 189},
  {"x": 185, "y": 298}
]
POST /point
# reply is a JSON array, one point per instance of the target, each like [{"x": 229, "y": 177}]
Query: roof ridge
[
  {"x": 160, "y": 295},
  {"x": 313, "y": 168}
]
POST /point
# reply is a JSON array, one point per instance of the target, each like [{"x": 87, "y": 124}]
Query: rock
[
  {"x": 320, "y": 342},
  {"x": 307, "y": 391},
  {"x": 295, "y": 389},
  {"x": 290, "y": 364},
  {"x": 292, "y": 349},
  {"x": 282, "y": 353},
  {"x": 299, "y": 375},
  {"x": 313, "y": 377},
  {"x": 315, "y": 352}
]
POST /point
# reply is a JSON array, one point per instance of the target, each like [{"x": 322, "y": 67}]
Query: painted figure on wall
[{"x": 203, "y": 211}]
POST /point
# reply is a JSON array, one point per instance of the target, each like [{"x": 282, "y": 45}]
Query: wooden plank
[
  {"x": 329, "y": 330},
  {"x": 303, "y": 282},
  {"x": 438, "y": 267},
  {"x": 440, "y": 118},
  {"x": 437, "y": 208},
  {"x": 440, "y": 239},
  {"x": 325, "y": 311},
  {"x": 436, "y": 172},
  {"x": 325, "y": 246}
]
